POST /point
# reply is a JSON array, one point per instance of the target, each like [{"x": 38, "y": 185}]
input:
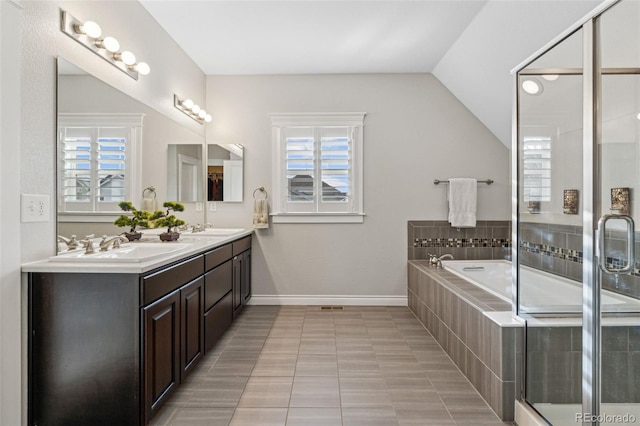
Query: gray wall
[{"x": 415, "y": 131}]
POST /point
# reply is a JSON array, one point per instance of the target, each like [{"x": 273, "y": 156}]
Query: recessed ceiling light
[{"x": 532, "y": 86}]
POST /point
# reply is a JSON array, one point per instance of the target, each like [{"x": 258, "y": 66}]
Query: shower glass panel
[
  {"x": 578, "y": 168},
  {"x": 618, "y": 186},
  {"x": 550, "y": 139}
]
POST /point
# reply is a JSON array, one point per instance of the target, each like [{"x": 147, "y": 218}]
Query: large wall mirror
[
  {"x": 110, "y": 148},
  {"x": 225, "y": 171}
]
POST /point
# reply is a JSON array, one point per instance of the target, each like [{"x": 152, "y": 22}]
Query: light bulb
[
  {"x": 532, "y": 87},
  {"x": 125, "y": 57},
  {"x": 208, "y": 118},
  {"x": 202, "y": 114},
  {"x": 143, "y": 68},
  {"x": 89, "y": 28},
  {"x": 109, "y": 43},
  {"x": 187, "y": 104},
  {"x": 195, "y": 109}
]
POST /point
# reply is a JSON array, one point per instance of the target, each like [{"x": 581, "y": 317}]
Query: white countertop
[{"x": 200, "y": 242}]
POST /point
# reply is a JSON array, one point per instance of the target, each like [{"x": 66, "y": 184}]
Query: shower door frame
[{"x": 591, "y": 312}]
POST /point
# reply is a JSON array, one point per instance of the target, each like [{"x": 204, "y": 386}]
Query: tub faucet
[
  {"x": 441, "y": 258},
  {"x": 116, "y": 240}
]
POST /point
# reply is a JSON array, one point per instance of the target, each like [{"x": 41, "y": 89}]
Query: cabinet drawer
[
  {"x": 217, "y": 256},
  {"x": 217, "y": 320},
  {"x": 241, "y": 245},
  {"x": 217, "y": 283},
  {"x": 164, "y": 282}
]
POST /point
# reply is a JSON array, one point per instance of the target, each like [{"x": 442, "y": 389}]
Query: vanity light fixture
[
  {"x": 191, "y": 109},
  {"x": 108, "y": 48}
]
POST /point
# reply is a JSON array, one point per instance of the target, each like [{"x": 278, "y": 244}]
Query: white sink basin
[{"x": 129, "y": 252}]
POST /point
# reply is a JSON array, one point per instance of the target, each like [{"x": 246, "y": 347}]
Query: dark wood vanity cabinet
[
  {"x": 241, "y": 274},
  {"x": 161, "y": 322},
  {"x": 108, "y": 348}
]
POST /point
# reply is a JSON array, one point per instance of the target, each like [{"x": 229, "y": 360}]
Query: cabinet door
[
  {"x": 245, "y": 284},
  {"x": 192, "y": 325},
  {"x": 237, "y": 280},
  {"x": 161, "y": 351}
]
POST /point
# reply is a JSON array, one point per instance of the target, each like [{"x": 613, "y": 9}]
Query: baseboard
[{"x": 258, "y": 299}]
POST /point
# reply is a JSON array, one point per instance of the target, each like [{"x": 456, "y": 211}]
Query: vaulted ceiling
[{"x": 469, "y": 45}]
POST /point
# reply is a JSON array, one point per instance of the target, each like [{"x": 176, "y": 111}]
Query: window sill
[
  {"x": 317, "y": 217},
  {"x": 88, "y": 217}
]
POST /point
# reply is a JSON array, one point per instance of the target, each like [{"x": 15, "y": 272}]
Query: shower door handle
[{"x": 631, "y": 245}]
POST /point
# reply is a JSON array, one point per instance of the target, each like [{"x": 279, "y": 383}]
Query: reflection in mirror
[
  {"x": 225, "y": 172},
  {"x": 111, "y": 147},
  {"x": 184, "y": 173}
]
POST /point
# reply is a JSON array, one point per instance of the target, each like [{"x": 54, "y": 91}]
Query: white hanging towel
[
  {"x": 463, "y": 195},
  {"x": 260, "y": 214},
  {"x": 149, "y": 204}
]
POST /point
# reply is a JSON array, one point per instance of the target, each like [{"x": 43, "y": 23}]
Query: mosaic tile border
[
  {"x": 551, "y": 251},
  {"x": 572, "y": 255},
  {"x": 462, "y": 242}
]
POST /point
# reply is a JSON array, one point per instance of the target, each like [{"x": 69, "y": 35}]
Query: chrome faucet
[
  {"x": 441, "y": 258},
  {"x": 87, "y": 244},
  {"x": 115, "y": 240},
  {"x": 197, "y": 228},
  {"x": 71, "y": 243}
]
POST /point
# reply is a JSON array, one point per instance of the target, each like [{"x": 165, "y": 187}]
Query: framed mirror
[
  {"x": 225, "y": 172},
  {"x": 110, "y": 148},
  {"x": 184, "y": 173}
]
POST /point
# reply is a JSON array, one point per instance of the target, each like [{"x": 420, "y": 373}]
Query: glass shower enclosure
[{"x": 576, "y": 157}]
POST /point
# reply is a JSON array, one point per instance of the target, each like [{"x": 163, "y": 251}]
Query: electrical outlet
[
  {"x": 212, "y": 206},
  {"x": 198, "y": 206},
  {"x": 35, "y": 208}
]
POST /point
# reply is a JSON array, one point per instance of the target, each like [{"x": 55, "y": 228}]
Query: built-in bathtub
[
  {"x": 476, "y": 329},
  {"x": 467, "y": 307},
  {"x": 541, "y": 292}
]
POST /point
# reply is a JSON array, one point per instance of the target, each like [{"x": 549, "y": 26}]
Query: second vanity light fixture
[
  {"x": 89, "y": 34},
  {"x": 192, "y": 110}
]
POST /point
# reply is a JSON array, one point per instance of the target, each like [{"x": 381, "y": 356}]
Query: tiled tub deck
[{"x": 475, "y": 328}]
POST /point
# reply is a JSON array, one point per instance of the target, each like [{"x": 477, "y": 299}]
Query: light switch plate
[{"x": 35, "y": 208}]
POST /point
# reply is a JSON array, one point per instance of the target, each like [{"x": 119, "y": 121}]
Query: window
[
  {"x": 537, "y": 168},
  {"x": 96, "y": 161},
  {"x": 317, "y": 167}
]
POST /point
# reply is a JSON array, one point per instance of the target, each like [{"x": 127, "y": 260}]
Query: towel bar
[{"x": 438, "y": 181}]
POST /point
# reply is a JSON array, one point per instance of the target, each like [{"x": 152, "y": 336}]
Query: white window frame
[
  {"x": 133, "y": 166},
  {"x": 283, "y": 212}
]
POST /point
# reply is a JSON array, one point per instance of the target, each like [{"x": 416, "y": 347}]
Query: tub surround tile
[{"x": 453, "y": 311}]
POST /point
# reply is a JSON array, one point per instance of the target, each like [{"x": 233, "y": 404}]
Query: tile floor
[{"x": 300, "y": 365}]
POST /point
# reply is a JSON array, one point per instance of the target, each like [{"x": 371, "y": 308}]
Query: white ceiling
[
  {"x": 469, "y": 45},
  {"x": 311, "y": 37}
]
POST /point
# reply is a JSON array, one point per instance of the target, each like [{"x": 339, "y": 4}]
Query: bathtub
[{"x": 550, "y": 294}]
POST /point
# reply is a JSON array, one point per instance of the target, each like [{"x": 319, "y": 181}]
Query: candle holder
[
  {"x": 570, "y": 201},
  {"x": 620, "y": 200}
]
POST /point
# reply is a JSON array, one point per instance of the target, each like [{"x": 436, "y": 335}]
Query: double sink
[{"x": 142, "y": 251}]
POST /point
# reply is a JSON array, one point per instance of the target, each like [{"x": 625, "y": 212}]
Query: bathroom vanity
[{"x": 110, "y": 341}]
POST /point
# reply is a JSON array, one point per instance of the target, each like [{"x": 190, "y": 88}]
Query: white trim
[
  {"x": 291, "y": 119},
  {"x": 87, "y": 217},
  {"x": 317, "y": 217},
  {"x": 606, "y": 4},
  {"x": 526, "y": 416},
  {"x": 92, "y": 119},
  {"x": 257, "y": 299}
]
